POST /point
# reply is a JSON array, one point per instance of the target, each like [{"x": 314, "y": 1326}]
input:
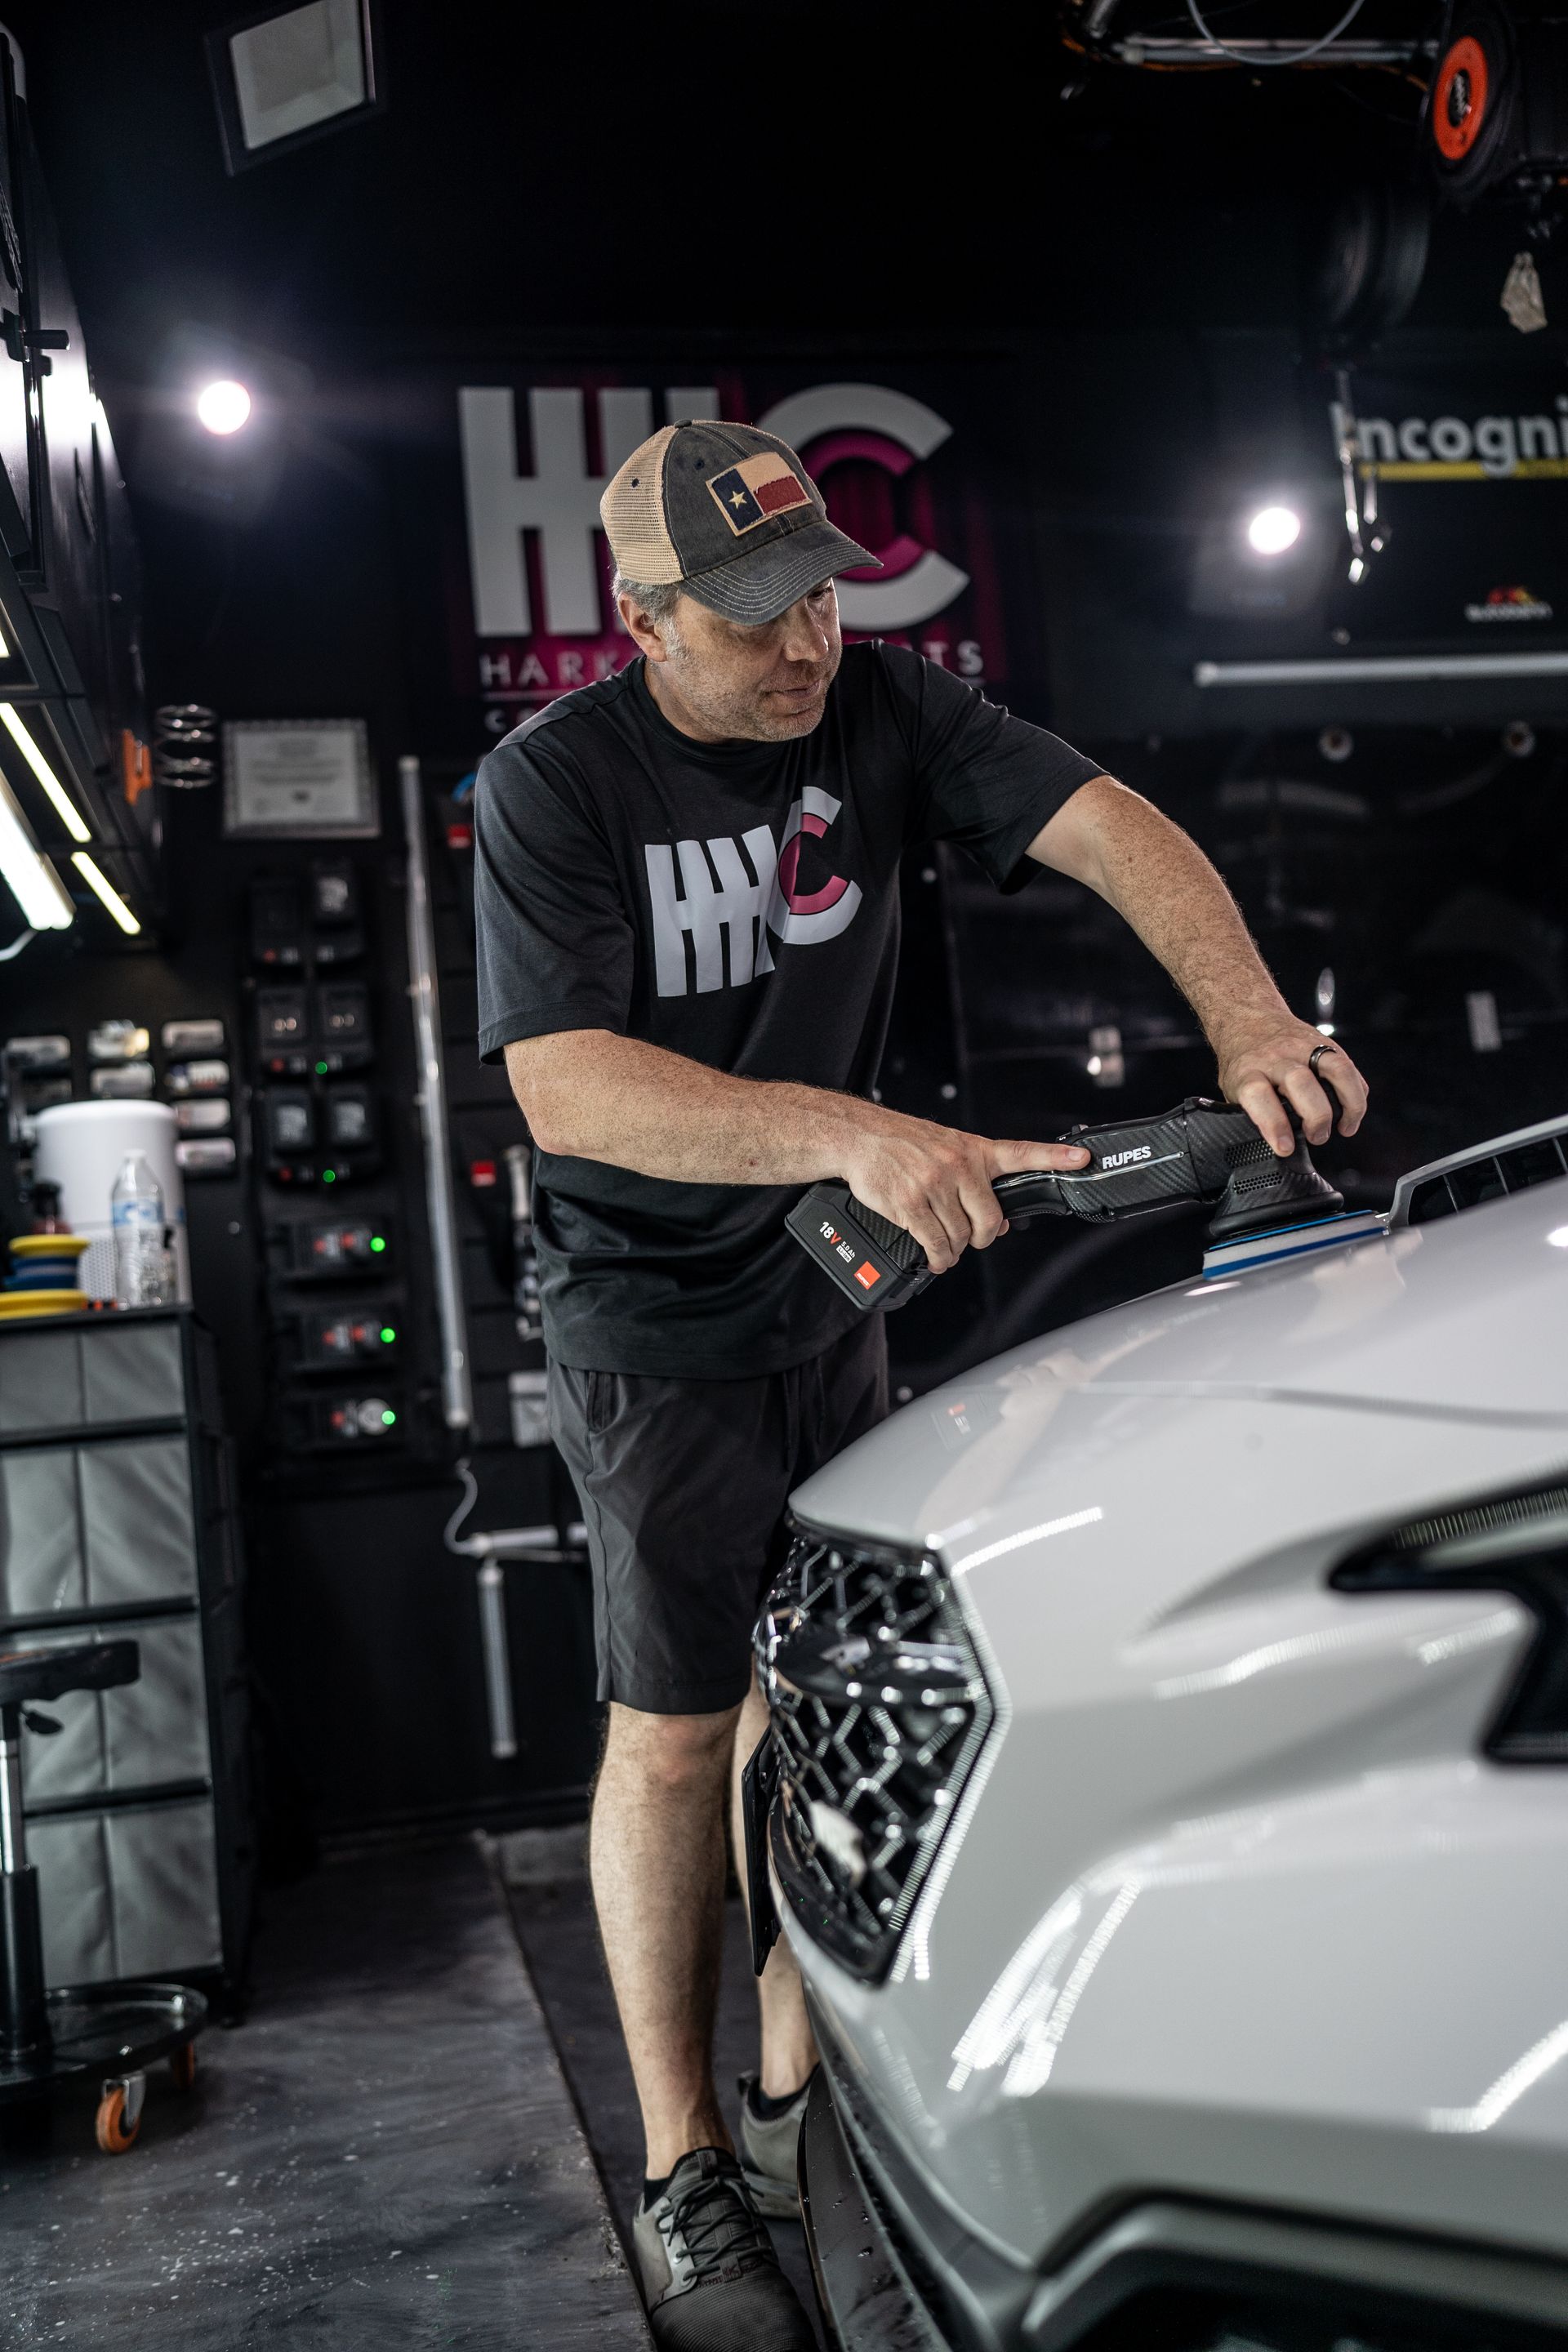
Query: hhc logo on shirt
[{"x": 755, "y": 893}]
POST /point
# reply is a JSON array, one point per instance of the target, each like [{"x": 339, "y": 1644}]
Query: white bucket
[{"x": 82, "y": 1146}]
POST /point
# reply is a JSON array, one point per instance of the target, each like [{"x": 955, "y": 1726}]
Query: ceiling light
[
  {"x": 106, "y": 892},
  {"x": 63, "y": 806},
  {"x": 1272, "y": 529},
  {"x": 291, "y": 76},
  {"x": 34, "y": 884},
  {"x": 223, "y": 406}
]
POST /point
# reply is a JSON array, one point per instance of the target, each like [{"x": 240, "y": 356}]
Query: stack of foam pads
[{"x": 44, "y": 1276}]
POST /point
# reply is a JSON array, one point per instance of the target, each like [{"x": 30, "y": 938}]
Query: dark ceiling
[
  {"x": 621, "y": 183},
  {"x": 872, "y": 172}
]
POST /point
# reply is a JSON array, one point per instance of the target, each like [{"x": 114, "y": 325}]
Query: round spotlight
[
  {"x": 223, "y": 406},
  {"x": 1272, "y": 529}
]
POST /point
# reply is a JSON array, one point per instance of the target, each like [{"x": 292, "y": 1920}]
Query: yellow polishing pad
[
  {"x": 16, "y": 1304},
  {"x": 26, "y": 1246}
]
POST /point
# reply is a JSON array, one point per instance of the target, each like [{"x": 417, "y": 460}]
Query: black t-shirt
[{"x": 736, "y": 903}]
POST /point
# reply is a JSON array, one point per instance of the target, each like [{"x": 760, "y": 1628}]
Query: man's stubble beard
[{"x": 743, "y": 716}]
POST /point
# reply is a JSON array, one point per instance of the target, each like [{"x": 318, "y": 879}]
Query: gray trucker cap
[{"x": 729, "y": 514}]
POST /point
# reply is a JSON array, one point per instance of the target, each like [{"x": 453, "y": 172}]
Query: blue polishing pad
[{"x": 1272, "y": 1248}]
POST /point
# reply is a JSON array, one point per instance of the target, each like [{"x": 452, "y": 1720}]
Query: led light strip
[
  {"x": 106, "y": 892},
  {"x": 1382, "y": 666},
  {"x": 34, "y": 884},
  {"x": 65, "y": 807}
]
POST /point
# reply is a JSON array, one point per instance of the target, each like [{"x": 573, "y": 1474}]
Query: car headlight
[
  {"x": 878, "y": 1708},
  {"x": 1516, "y": 1544}
]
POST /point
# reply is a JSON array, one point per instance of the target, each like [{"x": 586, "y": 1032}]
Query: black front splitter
[{"x": 866, "y": 2303}]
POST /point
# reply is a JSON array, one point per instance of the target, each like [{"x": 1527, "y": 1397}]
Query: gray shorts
[{"x": 683, "y": 1486}]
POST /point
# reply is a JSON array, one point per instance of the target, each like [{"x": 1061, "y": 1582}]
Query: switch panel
[
  {"x": 315, "y": 1124},
  {"x": 289, "y": 1126},
  {"x": 214, "y": 1156},
  {"x": 350, "y": 1119},
  {"x": 282, "y": 1031},
  {"x": 196, "y": 1078},
  {"x": 334, "y": 910},
  {"x": 277, "y": 923},
  {"x": 360, "y": 1420},
  {"x": 205, "y": 1115},
  {"x": 343, "y": 1020},
  {"x": 194, "y": 1036},
  {"x": 347, "y": 1335},
  {"x": 326, "y": 1250},
  {"x": 132, "y": 1082}
]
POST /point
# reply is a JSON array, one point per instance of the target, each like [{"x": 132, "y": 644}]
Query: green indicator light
[
  {"x": 387, "y": 1418},
  {"x": 388, "y": 1336},
  {"x": 329, "y": 1175},
  {"x": 376, "y": 1243},
  {"x": 321, "y": 1069}
]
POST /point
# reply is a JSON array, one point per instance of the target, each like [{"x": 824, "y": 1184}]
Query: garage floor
[
  {"x": 547, "y": 1884},
  {"x": 385, "y": 2154}
]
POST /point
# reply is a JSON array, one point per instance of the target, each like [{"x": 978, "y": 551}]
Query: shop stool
[{"x": 116, "y": 2030}]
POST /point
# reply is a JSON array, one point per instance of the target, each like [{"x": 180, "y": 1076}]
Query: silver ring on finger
[{"x": 1316, "y": 1056}]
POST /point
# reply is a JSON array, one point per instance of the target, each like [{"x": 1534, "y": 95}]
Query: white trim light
[
  {"x": 106, "y": 892},
  {"x": 1382, "y": 667},
  {"x": 63, "y": 806},
  {"x": 32, "y": 880}
]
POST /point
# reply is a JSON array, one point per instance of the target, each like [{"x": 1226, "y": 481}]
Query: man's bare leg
[
  {"x": 657, "y": 1858},
  {"x": 789, "y": 2049}
]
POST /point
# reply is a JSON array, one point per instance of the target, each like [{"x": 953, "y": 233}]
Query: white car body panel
[{"x": 1232, "y": 1904}]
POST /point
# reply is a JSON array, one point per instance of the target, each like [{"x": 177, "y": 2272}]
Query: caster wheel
[
  {"x": 182, "y": 2066},
  {"x": 116, "y": 2130}
]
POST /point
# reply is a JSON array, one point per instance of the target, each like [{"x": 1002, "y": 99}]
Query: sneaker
[
  {"x": 711, "y": 2278},
  {"x": 770, "y": 2146}
]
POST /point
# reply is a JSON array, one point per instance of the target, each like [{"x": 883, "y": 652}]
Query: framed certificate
[{"x": 307, "y": 777}]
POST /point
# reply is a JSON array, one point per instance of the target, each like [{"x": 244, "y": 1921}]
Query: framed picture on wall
[{"x": 298, "y": 777}]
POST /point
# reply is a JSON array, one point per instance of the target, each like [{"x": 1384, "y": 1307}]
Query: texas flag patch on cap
[{"x": 755, "y": 490}]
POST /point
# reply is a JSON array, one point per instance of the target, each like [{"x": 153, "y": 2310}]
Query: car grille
[{"x": 879, "y": 1710}]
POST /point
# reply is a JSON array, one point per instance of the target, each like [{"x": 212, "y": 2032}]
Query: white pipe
[
  {"x": 497, "y": 1662},
  {"x": 457, "y": 1389}
]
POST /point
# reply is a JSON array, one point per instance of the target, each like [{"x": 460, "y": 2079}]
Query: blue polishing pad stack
[{"x": 1272, "y": 1248}]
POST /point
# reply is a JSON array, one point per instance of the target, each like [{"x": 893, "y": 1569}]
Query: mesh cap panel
[{"x": 632, "y": 511}]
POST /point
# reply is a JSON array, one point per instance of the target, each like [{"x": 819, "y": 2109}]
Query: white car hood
[
  {"x": 1462, "y": 1320},
  {"x": 1140, "y": 1511}
]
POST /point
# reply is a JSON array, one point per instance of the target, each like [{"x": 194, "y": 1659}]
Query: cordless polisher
[{"x": 1202, "y": 1151}]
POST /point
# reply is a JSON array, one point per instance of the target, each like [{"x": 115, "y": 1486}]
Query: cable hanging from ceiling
[{"x": 1297, "y": 56}]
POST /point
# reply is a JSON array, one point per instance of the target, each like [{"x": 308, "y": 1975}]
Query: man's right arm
[{"x": 591, "y": 1094}]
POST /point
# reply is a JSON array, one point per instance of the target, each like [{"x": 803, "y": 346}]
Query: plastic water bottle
[{"x": 136, "y": 1211}]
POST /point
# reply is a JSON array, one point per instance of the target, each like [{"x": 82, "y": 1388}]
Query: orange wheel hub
[
  {"x": 115, "y": 2135},
  {"x": 1460, "y": 99}
]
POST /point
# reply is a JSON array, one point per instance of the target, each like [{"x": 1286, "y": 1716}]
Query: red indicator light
[{"x": 482, "y": 1172}]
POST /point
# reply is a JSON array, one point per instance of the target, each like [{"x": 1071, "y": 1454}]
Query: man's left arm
[{"x": 1160, "y": 882}]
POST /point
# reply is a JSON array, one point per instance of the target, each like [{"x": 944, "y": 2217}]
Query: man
[{"x": 686, "y": 887}]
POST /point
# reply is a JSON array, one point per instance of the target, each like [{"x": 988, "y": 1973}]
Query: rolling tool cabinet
[{"x": 118, "y": 1517}]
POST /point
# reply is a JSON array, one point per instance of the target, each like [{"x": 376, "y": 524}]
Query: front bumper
[{"x": 895, "y": 2273}]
